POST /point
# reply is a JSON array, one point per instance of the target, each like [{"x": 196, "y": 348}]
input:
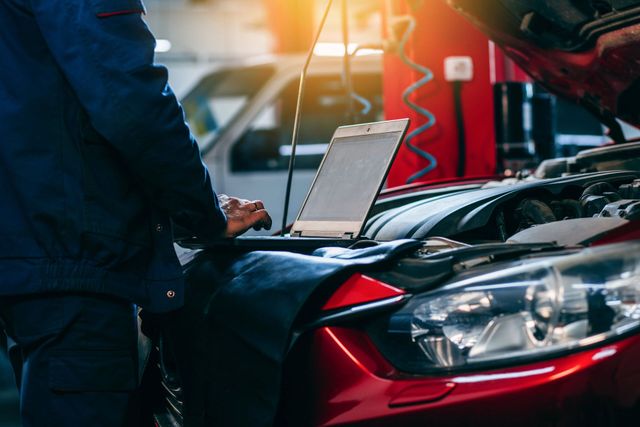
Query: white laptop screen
[{"x": 350, "y": 177}]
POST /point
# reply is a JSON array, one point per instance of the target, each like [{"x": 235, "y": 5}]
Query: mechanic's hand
[{"x": 243, "y": 214}]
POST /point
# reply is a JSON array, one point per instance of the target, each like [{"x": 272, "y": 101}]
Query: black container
[
  {"x": 544, "y": 128},
  {"x": 513, "y": 120}
]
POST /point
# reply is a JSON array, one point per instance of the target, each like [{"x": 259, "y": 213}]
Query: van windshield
[{"x": 219, "y": 97}]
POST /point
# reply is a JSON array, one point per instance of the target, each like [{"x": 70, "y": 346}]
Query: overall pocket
[{"x": 95, "y": 371}]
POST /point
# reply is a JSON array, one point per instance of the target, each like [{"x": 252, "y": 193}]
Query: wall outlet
[{"x": 458, "y": 69}]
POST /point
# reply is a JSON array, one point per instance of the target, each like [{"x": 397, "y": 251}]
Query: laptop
[{"x": 349, "y": 179}]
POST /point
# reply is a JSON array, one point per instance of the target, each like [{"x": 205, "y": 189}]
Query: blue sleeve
[{"x": 106, "y": 52}]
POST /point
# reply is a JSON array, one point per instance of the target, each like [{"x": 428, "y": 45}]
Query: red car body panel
[
  {"x": 359, "y": 289},
  {"x": 630, "y": 231},
  {"x": 354, "y": 384}
]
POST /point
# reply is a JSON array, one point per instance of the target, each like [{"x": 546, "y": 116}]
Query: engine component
[
  {"x": 570, "y": 232},
  {"x": 630, "y": 191},
  {"x": 598, "y": 189},
  {"x": 596, "y": 196},
  {"x": 593, "y": 205},
  {"x": 627, "y": 209},
  {"x": 567, "y": 209},
  {"x": 612, "y": 157},
  {"x": 532, "y": 212},
  {"x": 552, "y": 168}
]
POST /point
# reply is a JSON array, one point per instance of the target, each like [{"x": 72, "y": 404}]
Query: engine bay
[{"x": 499, "y": 212}]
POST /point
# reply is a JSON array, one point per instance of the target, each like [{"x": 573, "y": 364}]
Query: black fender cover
[{"x": 231, "y": 338}]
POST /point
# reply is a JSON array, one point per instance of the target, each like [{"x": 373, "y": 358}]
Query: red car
[{"x": 521, "y": 304}]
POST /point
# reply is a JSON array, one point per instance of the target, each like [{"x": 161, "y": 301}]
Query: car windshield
[{"x": 220, "y": 96}]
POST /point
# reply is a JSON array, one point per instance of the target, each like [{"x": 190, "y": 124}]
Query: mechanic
[{"x": 96, "y": 164}]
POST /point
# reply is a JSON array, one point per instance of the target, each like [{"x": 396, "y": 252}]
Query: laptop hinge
[
  {"x": 347, "y": 236},
  {"x": 296, "y": 234}
]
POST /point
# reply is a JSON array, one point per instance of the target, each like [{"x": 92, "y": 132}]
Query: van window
[
  {"x": 266, "y": 145},
  {"x": 220, "y": 96}
]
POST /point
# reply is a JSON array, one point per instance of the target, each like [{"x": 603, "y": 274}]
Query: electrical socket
[{"x": 458, "y": 69}]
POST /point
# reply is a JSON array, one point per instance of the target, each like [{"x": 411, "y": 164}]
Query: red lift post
[{"x": 440, "y": 33}]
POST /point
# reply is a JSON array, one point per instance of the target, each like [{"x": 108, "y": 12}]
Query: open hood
[{"x": 585, "y": 50}]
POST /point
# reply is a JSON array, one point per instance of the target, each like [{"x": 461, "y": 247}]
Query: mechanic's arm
[{"x": 106, "y": 52}]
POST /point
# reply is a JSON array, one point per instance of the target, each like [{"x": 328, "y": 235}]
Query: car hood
[{"x": 588, "y": 51}]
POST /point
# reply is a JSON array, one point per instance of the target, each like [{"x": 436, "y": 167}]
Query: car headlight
[{"x": 543, "y": 307}]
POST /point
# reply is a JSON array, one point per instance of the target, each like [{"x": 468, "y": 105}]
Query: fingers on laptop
[
  {"x": 249, "y": 213},
  {"x": 261, "y": 219},
  {"x": 258, "y": 205}
]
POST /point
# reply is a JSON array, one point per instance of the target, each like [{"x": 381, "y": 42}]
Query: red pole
[{"x": 440, "y": 33}]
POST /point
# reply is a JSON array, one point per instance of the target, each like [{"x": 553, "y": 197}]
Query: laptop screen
[{"x": 349, "y": 178}]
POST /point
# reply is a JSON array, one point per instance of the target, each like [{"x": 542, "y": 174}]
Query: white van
[{"x": 242, "y": 115}]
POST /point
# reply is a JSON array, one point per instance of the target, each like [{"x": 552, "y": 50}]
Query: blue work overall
[{"x": 96, "y": 164}]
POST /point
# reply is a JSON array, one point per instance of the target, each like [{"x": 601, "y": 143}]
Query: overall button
[
  {"x": 159, "y": 228},
  {"x": 171, "y": 294}
]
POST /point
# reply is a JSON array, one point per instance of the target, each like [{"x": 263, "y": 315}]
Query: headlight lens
[{"x": 531, "y": 310}]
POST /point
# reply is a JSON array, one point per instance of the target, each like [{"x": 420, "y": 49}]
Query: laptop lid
[{"x": 349, "y": 179}]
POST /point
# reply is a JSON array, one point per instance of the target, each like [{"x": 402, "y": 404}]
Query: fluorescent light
[
  {"x": 163, "y": 45},
  {"x": 337, "y": 49}
]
